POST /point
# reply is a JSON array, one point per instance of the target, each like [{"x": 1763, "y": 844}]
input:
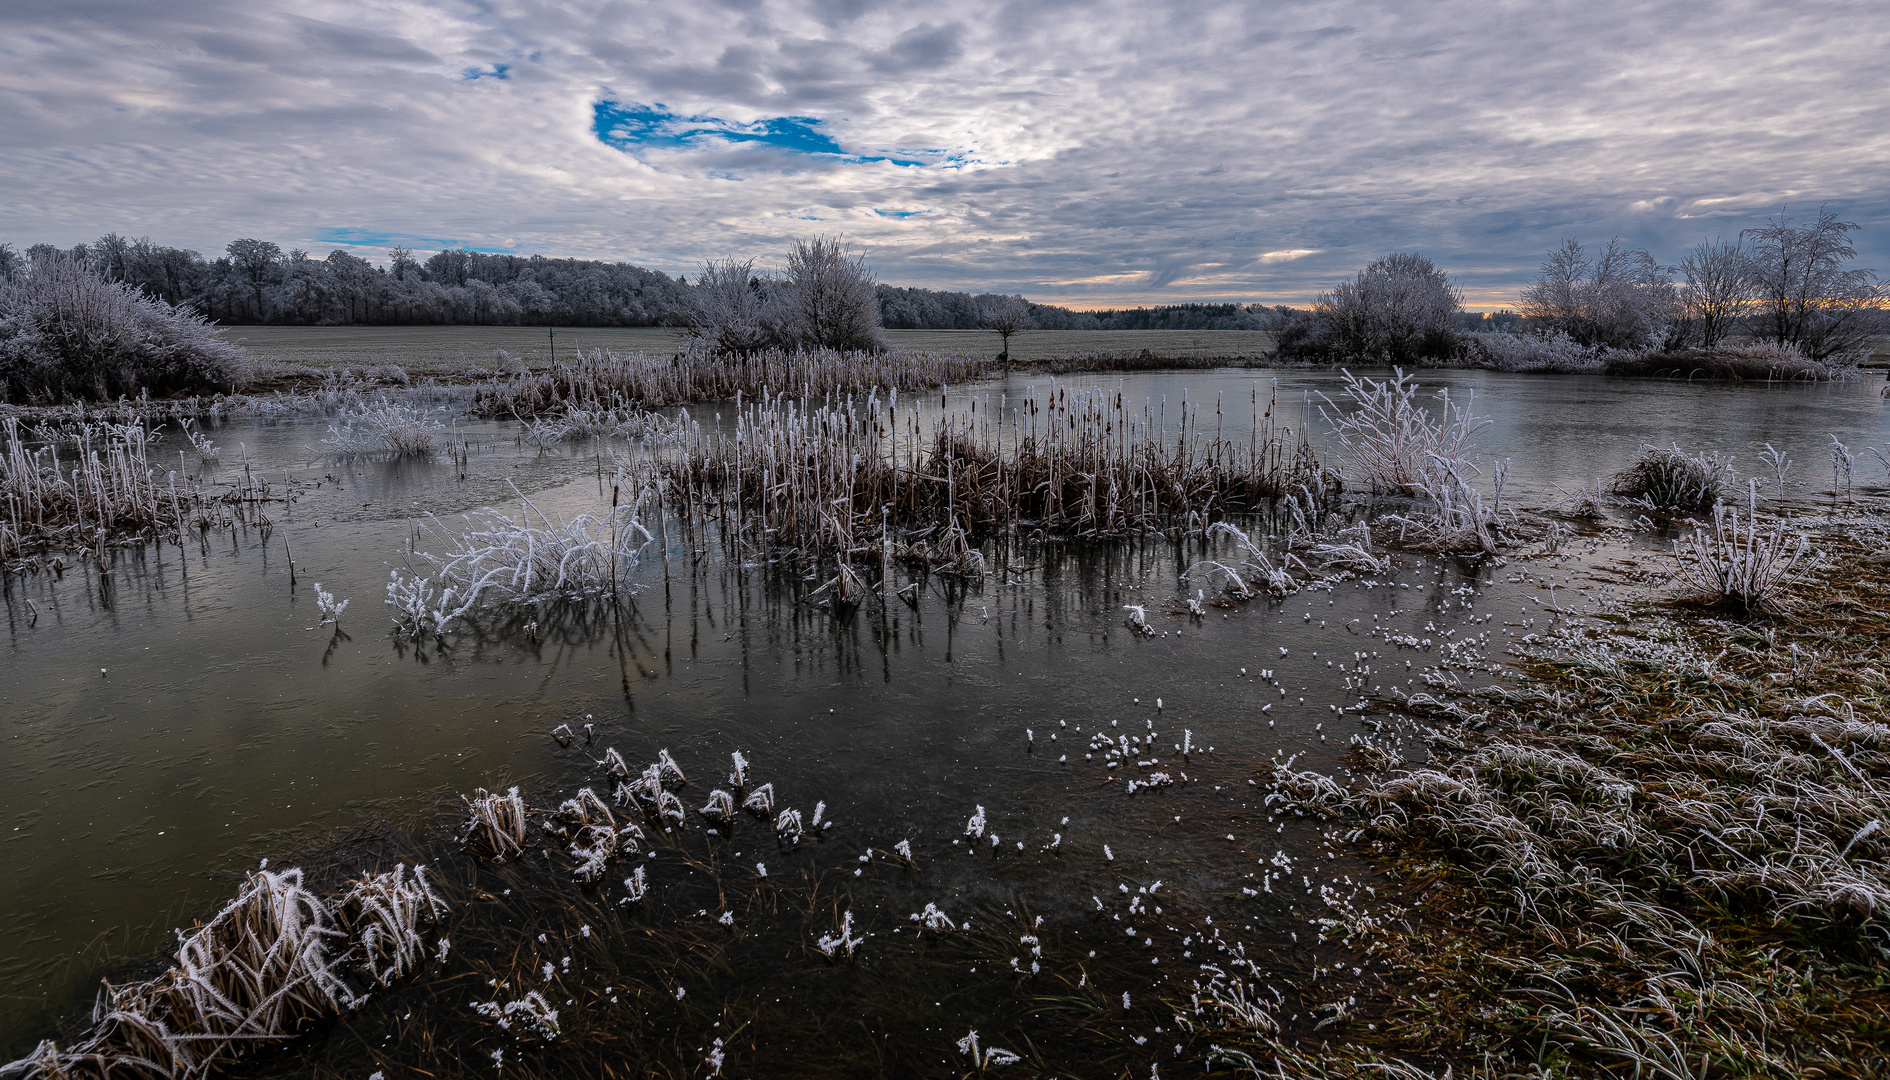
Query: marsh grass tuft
[{"x": 1670, "y": 478}]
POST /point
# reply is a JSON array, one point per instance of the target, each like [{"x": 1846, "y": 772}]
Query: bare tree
[
  {"x": 1620, "y": 299},
  {"x": 1718, "y": 292},
  {"x": 1806, "y": 298},
  {"x": 826, "y": 300},
  {"x": 726, "y": 307},
  {"x": 1399, "y": 309},
  {"x": 1006, "y": 315}
]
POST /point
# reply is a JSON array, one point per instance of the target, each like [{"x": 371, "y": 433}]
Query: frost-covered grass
[
  {"x": 1670, "y": 478},
  {"x": 275, "y": 961},
  {"x": 1665, "y": 852},
  {"x": 497, "y": 560},
  {"x": 386, "y": 428}
]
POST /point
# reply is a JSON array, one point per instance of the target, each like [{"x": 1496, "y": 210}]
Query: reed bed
[
  {"x": 1664, "y": 854},
  {"x": 606, "y": 381},
  {"x": 870, "y": 479},
  {"x": 106, "y": 488}
]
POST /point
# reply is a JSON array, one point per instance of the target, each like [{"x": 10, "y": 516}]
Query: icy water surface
[{"x": 166, "y": 732}]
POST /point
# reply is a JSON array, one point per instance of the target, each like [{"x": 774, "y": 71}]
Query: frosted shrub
[
  {"x": 1394, "y": 441},
  {"x": 1670, "y": 477},
  {"x": 500, "y": 560},
  {"x": 1554, "y": 351},
  {"x": 384, "y": 428},
  {"x": 66, "y": 333}
]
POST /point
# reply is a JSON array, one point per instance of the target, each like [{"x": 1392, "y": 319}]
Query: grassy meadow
[{"x": 451, "y": 349}]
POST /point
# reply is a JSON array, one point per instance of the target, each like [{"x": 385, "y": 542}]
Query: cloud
[{"x": 1089, "y": 152}]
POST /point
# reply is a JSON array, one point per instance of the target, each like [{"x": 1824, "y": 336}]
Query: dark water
[{"x": 163, "y": 735}]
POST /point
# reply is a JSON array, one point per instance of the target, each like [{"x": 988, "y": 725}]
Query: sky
[{"x": 1091, "y": 154}]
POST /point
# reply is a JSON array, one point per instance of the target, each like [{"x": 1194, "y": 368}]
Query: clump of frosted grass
[
  {"x": 258, "y": 972},
  {"x": 498, "y": 559},
  {"x": 495, "y": 824},
  {"x": 384, "y": 913},
  {"x": 788, "y": 827},
  {"x": 934, "y": 919},
  {"x": 1736, "y": 563},
  {"x": 842, "y": 939},
  {"x": 760, "y": 802},
  {"x": 720, "y": 807},
  {"x": 533, "y": 1013},
  {"x": 986, "y": 1057},
  {"x": 384, "y": 428},
  {"x": 1669, "y": 477}
]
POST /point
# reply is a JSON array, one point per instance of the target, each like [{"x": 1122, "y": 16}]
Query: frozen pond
[{"x": 165, "y": 735}]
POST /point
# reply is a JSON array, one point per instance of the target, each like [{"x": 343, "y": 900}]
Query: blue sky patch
[
  {"x": 900, "y": 213},
  {"x": 370, "y": 238},
  {"x": 494, "y": 71},
  {"x": 631, "y": 127}
]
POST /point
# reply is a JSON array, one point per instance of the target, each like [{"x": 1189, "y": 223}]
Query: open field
[{"x": 444, "y": 349}]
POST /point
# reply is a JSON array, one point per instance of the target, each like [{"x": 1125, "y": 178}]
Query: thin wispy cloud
[{"x": 1089, "y": 153}]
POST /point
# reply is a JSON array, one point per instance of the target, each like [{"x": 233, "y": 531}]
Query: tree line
[
  {"x": 1779, "y": 284},
  {"x": 257, "y": 282}
]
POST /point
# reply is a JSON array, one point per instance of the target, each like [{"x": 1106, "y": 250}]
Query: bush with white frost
[
  {"x": 1398, "y": 310},
  {"x": 1553, "y": 351},
  {"x": 66, "y": 333}
]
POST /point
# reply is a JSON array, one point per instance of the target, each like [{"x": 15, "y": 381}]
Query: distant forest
[{"x": 256, "y": 282}]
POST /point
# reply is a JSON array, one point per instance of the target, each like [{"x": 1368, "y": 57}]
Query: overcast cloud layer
[{"x": 1085, "y": 153}]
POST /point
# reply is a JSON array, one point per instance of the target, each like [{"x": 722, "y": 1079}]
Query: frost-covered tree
[
  {"x": 726, "y": 307},
  {"x": 1620, "y": 298},
  {"x": 1400, "y": 309},
  {"x": 1717, "y": 293},
  {"x": 1806, "y": 297},
  {"x": 825, "y": 300},
  {"x": 67, "y": 333},
  {"x": 1005, "y": 315}
]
